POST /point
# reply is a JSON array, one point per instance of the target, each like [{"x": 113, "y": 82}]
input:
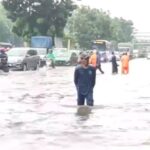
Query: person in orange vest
[
  {"x": 93, "y": 59},
  {"x": 125, "y": 63}
]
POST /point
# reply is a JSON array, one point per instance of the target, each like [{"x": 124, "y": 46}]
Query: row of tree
[
  {"x": 88, "y": 24},
  {"x": 38, "y": 17},
  {"x": 51, "y": 17},
  {"x": 6, "y": 34}
]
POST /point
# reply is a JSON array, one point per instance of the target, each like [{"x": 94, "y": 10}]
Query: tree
[
  {"x": 6, "y": 34},
  {"x": 88, "y": 24},
  {"x": 121, "y": 30},
  {"x": 38, "y": 17}
]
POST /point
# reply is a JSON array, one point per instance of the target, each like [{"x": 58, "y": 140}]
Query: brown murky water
[{"x": 38, "y": 111}]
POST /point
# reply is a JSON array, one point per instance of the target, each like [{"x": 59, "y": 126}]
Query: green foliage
[
  {"x": 38, "y": 17},
  {"x": 5, "y": 26},
  {"x": 121, "y": 30},
  {"x": 88, "y": 24},
  {"x": 6, "y": 34}
]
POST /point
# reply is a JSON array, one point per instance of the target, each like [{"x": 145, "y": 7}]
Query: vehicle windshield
[{"x": 17, "y": 52}]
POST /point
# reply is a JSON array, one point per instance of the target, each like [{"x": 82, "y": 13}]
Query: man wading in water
[{"x": 84, "y": 79}]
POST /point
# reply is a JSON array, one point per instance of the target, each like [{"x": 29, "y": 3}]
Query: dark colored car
[
  {"x": 3, "y": 61},
  {"x": 23, "y": 59},
  {"x": 73, "y": 59}
]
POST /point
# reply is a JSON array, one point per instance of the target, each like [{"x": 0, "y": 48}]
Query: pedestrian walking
[
  {"x": 93, "y": 59},
  {"x": 125, "y": 63},
  {"x": 51, "y": 58},
  {"x": 114, "y": 64},
  {"x": 98, "y": 62}
]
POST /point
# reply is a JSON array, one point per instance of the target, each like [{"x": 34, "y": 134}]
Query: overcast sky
[{"x": 136, "y": 10}]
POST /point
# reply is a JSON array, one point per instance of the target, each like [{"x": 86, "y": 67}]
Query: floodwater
[{"x": 38, "y": 110}]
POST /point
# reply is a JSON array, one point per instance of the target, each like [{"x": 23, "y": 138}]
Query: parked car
[
  {"x": 3, "y": 61},
  {"x": 23, "y": 58},
  {"x": 62, "y": 56},
  {"x": 73, "y": 59}
]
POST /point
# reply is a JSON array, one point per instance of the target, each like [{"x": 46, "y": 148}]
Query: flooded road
[{"x": 38, "y": 111}]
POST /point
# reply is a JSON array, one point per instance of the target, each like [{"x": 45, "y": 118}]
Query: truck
[{"x": 41, "y": 42}]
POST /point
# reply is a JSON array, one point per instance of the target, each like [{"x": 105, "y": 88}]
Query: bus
[{"x": 104, "y": 47}]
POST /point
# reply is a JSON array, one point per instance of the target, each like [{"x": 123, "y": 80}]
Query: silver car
[{"x": 23, "y": 58}]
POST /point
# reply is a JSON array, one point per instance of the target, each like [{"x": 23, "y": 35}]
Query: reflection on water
[{"x": 38, "y": 111}]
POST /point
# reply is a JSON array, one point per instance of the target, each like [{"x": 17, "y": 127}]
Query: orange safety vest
[{"x": 92, "y": 60}]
